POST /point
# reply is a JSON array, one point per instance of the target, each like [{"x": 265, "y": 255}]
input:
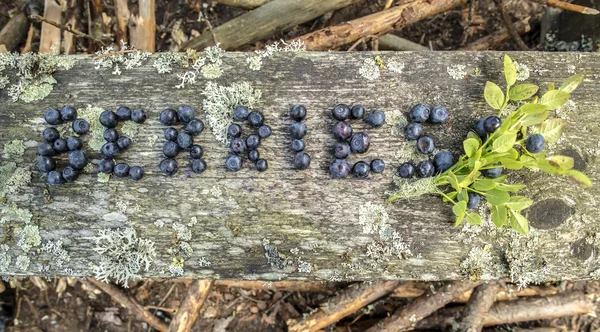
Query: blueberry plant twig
[{"x": 39, "y": 18}]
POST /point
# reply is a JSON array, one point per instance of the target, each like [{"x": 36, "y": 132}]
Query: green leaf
[
  {"x": 510, "y": 187},
  {"x": 534, "y": 119},
  {"x": 552, "y": 129},
  {"x": 510, "y": 72},
  {"x": 519, "y": 223},
  {"x": 547, "y": 167},
  {"x": 459, "y": 210},
  {"x": 471, "y": 146},
  {"x": 532, "y": 108},
  {"x": 499, "y": 215},
  {"x": 518, "y": 203},
  {"x": 463, "y": 196},
  {"x": 564, "y": 163},
  {"x": 554, "y": 99},
  {"x": 484, "y": 184},
  {"x": 571, "y": 83},
  {"x": 505, "y": 142},
  {"x": 451, "y": 195},
  {"x": 550, "y": 86},
  {"x": 473, "y": 218},
  {"x": 511, "y": 164},
  {"x": 579, "y": 178},
  {"x": 475, "y": 158},
  {"x": 500, "y": 179},
  {"x": 475, "y": 136},
  {"x": 528, "y": 161},
  {"x": 523, "y": 91},
  {"x": 451, "y": 178},
  {"x": 497, "y": 197},
  {"x": 493, "y": 95},
  {"x": 514, "y": 154}
]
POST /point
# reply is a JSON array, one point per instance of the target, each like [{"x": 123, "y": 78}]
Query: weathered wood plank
[{"x": 310, "y": 218}]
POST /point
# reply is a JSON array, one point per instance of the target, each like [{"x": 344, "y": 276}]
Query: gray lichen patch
[
  {"x": 13, "y": 149},
  {"x": 482, "y": 263},
  {"x": 12, "y": 179},
  {"x": 457, "y": 71},
  {"x": 524, "y": 265},
  {"x": 255, "y": 61},
  {"x": 208, "y": 64},
  {"x": 130, "y": 129},
  {"x": 92, "y": 114},
  {"x": 14, "y": 213},
  {"x": 57, "y": 254},
  {"x": 5, "y": 258},
  {"x": 22, "y": 263},
  {"x": 165, "y": 61},
  {"x": 110, "y": 57},
  {"x": 272, "y": 255},
  {"x": 28, "y": 237},
  {"x": 369, "y": 69}
]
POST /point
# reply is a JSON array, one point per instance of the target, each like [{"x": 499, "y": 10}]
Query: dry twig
[
  {"x": 76, "y": 32},
  {"x": 509, "y": 25},
  {"x": 497, "y": 37},
  {"x": 246, "y": 4},
  {"x": 480, "y": 302},
  {"x": 190, "y": 308},
  {"x": 569, "y": 6}
]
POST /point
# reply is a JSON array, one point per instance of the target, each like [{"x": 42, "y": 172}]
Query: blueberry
[
  {"x": 358, "y": 112},
  {"x": 52, "y": 117},
  {"x": 341, "y": 112},
  {"x": 121, "y": 170},
  {"x": 493, "y": 172},
  {"x": 298, "y": 112},
  {"x": 438, "y": 114},
  {"x": 240, "y": 113},
  {"x": 256, "y": 119},
  {"x": 262, "y": 165},
  {"x": 361, "y": 169},
  {"x": 55, "y": 178},
  {"x": 60, "y": 145},
  {"x": 45, "y": 149},
  {"x": 297, "y": 145},
  {"x": 136, "y": 173},
  {"x": 341, "y": 150},
  {"x": 376, "y": 119},
  {"x": 138, "y": 116},
  {"x": 168, "y": 117},
  {"x": 480, "y": 129},
  {"x": 198, "y": 166},
  {"x": 253, "y": 155},
  {"x": 253, "y": 141},
  {"x": 74, "y": 143},
  {"x": 46, "y": 164},
  {"x": 111, "y": 135},
  {"x": 50, "y": 134},
  {"x": 108, "y": 119},
  {"x": 377, "y": 166},
  {"x": 123, "y": 143},
  {"x": 70, "y": 174},
  {"x": 443, "y": 160},
  {"x": 406, "y": 170},
  {"x": 425, "y": 145},
  {"x": 106, "y": 165},
  {"x": 170, "y": 149},
  {"x": 68, "y": 114},
  {"x": 184, "y": 140},
  {"x": 185, "y": 113},
  {"x": 419, "y": 113},
  {"x": 169, "y": 166},
  {"x": 264, "y": 131},
  {"x": 474, "y": 200},
  {"x": 413, "y": 131},
  {"x": 359, "y": 142},
  {"x": 194, "y": 127},
  {"x": 237, "y": 145},
  {"x": 171, "y": 134},
  {"x": 196, "y": 151},
  {"x": 109, "y": 150},
  {"x": 297, "y": 130},
  {"x": 342, "y": 130},
  {"x": 81, "y": 126},
  {"x": 301, "y": 160},
  {"x": 425, "y": 169},
  {"x": 339, "y": 168},
  {"x": 234, "y": 130},
  {"x": 233, "y": 163},
  {"x": 535, "y": 143},
  {"x": 123, "y": 113},
  {"x": 78, "y": 159},
  {"x": 490, "y": 124}
]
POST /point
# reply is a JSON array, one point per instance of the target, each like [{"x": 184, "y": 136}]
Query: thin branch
[
  {"x": 113, "y": 53},
  {"x": 210, "y": 28},
  {"x": 569, "y": 6},
  {"x": 479, "y": 304},
  {"x": 497, "y": 37},
  {"x": 509, "y": 25},
  {"x": 38, "y": 18},
  {"x": 190, "y": 308}
]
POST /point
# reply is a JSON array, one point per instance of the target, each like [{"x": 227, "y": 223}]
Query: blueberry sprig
[
  {"x": 499, "y": 143},
  {"x": 298, "y": 130},
  {"x": 238, "y": 145}
]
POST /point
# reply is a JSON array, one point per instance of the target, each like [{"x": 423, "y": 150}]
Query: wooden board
[{"x": 311, "y": 218}]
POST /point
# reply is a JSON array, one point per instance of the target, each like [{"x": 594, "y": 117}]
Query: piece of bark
[
  {"x": 395, "y": 43},
  {"x": 14, "y": 31},
  {"x": 377, "y": 23},
  {"x": 190, "y": 308},
  {"x": 50, "y": 36},
  {"x": 142, "y": 31},
  {"x": 347, "y": 302},
  {"x": 246, "y": 4},
  {"x": 264, "y": 21},
  {"x": 569, "y": 6},
  {"x": 478, "y": 305},
  {"x": 500, "y": 36},
  {"x": 74, "y": 15},
  {"x": 123, "y": 15}
]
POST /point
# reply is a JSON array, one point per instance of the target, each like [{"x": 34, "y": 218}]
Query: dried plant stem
[{"x": 36, "y": 17}]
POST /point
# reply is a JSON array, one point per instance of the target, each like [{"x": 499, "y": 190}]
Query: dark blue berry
[
  {"x": 233, "y": 163},
  {"x": 109, "y": 150},
  {"x": 256, "y": 119},
  {"x": 70, "y": 174},
  {"x": 480, "y": 129},
  {"x": 194, "y": 127},
  {"x": 123, "y": 142},
  {"x": 443, "y": 160},
  {"x": 171, "y": 134},
  {"x": 45, "y": 149},
  {"x": 406, "y": 170},
  {"x": 196, "y": 152},
  {"x": 376, "y": 119},
  {"x": 185, "y": 113},
  {"x": 377, "y": 165},
  {"x": 138, "y": 116},
  {"x": 339, "y": 168},
  {"x": 358, "y": 112},
  {"x": 121, "y": 170},
  {"x": 198, "y": 166},
  {"x": 419, "y": 113},
  {"x": 261, "y": 165},
  {"x": 108, "y": 119},
  {"x": 474, "y": 200},
  {"x": 111, "y": 135},
  {"x": 493, "y": 172},
  {"x": 170, "y": 149},
  {"x": 168, "y": 117},
  {"x": 253, "y": 141},
  {"x": 78, "y": 159},
  {"x": 60, "y": 145},
  {"x": 234, "y": 130},
  {"x": 253, "y": 155},
  {"x": 298, "y": 130},
  {"x": 361, "y": 170},
  {"x": 301, "y": 160},
  {"x": 297, "y": 145},
  {"x": 50, "y": 134},
  {"x": 342, "y": 130},
  {"x": 438, "y": 114},
  {"x": 341, "y": 150},
  {"x": 240, "y": 113},
  {"x": 136, "y": 173},
  {"x": 359, "y": 142},
  {"x": 491, "y": 124},
  {"x": 123, "y": 113},
  {"x": 55, "y": 178},
  {"x": 535, "y": 143},
  {"x": 341, "y": 112},
  {"x": 68, "y": 114},
  {"x": 46, "y": 164},
  {"x": 106, "y": 165},
  {"x": 298, "y": 112},
  {"x": 425, "y": 145},
  {"x": 74, "y": 143},
  {"x": 237, "y": 145},
  {"x": 52, "y": 117},
  {"x": 264, "y": 131},
  {"x": 425, "y": 169},
  {"x": 81, "y": 126},
  {"x": 184, "y": 140},
  {"x": 169, "y": 166},
  {"x": 413, "y": 131}
]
